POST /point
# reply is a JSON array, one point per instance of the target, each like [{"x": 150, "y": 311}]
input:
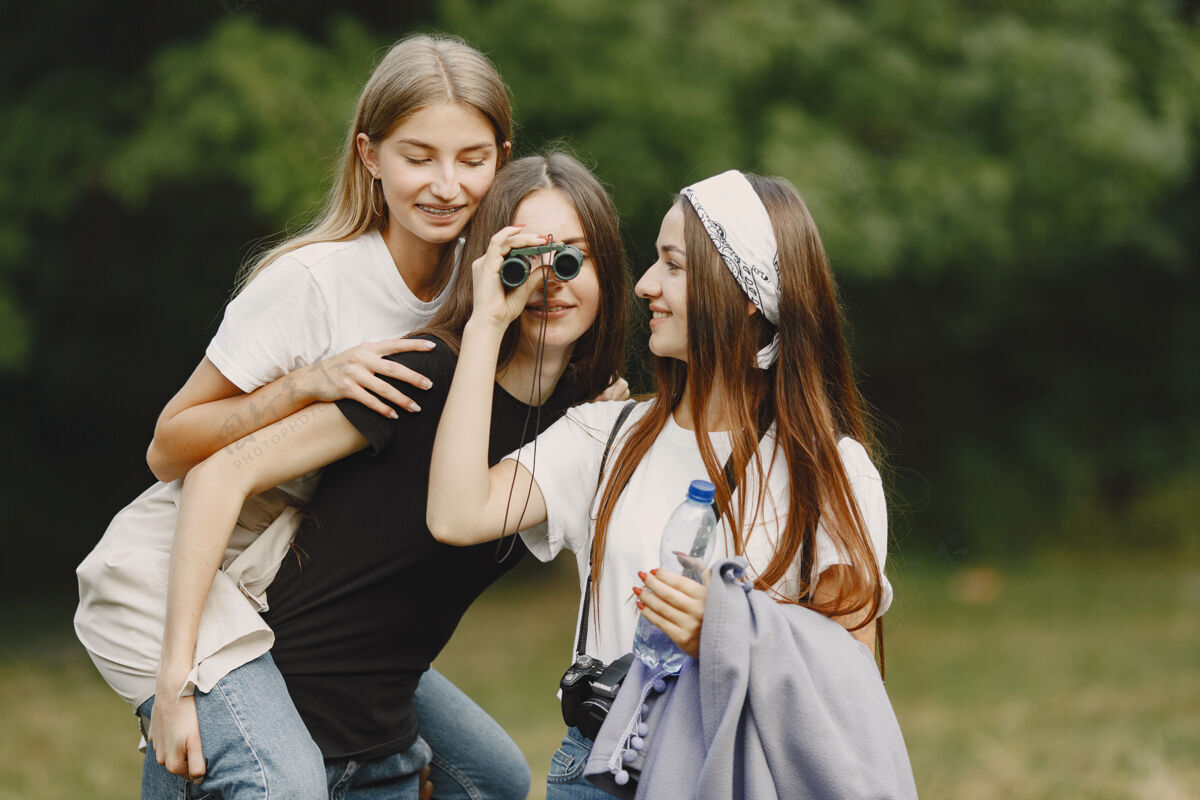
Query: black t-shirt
[{"x": 368, "y": 598}]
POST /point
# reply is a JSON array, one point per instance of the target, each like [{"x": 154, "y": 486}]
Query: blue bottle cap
[{"x": 701, "y": 491}]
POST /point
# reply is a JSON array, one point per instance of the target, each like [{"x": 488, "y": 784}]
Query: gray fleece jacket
[{"x": 783, "y": 703}]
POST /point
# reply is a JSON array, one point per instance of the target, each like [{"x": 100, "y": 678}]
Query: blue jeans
[
  {"x": 255, "y": 743},
  {"x": 391, "y": 777},
  {"x": 473, "y": 757},
  {"x": 566, "y": 781}
]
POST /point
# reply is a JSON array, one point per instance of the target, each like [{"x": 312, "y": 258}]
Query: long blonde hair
[
  {"x": 418, "y": 71},
  {"x": 809, "y": 393}
]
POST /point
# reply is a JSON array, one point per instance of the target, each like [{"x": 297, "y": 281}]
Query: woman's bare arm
[
  {"x": 213, "y": 495},
  {"x": 469, "y": 503},
  {"x": 210, "y": 411}
]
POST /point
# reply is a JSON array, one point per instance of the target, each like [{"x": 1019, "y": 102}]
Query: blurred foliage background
[{"x": 1009, "y": 193}]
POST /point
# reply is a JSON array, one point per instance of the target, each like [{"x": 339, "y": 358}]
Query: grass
[{"x": 1059, "y": 679}]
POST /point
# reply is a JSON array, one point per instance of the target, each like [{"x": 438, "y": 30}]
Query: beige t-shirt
[{"x": 309, "y": 305}]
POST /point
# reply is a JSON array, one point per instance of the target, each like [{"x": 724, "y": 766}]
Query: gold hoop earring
[{"x": 373, "y": 179}]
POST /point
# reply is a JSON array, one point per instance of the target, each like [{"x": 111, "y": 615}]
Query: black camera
[
  {"x": 567, "y": 262},
  {"x": 588, "y": 689}
]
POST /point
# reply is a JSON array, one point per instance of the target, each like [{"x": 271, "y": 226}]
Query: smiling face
[
  {"x": 434, "y": 167},
  {"x": 567, "y": 308},
  {"x": 665, "y": 286}
]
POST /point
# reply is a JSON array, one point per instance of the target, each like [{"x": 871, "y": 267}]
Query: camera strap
[
  {"x": 765, "y": 416},
  {"x": 587, "y": 591}
]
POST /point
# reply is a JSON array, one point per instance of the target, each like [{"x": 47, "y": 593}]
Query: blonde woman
[{"x": 312, "y": 322}]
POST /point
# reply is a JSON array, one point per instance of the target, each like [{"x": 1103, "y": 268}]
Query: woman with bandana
[{"x": 755, "y": 394}]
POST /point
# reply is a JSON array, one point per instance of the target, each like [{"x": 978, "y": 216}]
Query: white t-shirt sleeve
[
  {"x": 867, "y": 489},
  {"x": 566, "y": 469},
  {"x": 278, "y": 323}
]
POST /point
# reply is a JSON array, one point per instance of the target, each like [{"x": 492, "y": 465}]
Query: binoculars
[{"x": 567, "y": 262}]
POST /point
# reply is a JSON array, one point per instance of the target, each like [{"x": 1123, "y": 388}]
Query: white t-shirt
[
  {"x": 308, "y": 305},
  {"x": 566, "y": 469},
  {"x": 314, "y": 303}
]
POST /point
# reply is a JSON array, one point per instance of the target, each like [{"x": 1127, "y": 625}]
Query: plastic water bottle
[{"x": 689, "y": 530}]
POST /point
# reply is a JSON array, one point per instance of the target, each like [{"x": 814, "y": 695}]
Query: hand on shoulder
[{"x": 356, "y": 373}]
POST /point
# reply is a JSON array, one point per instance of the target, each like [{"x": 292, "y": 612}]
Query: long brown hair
[
  {"x": 418, "y": 71},
  {"x": 597, "y": 356},
  {"x": 809, "y": 392}
]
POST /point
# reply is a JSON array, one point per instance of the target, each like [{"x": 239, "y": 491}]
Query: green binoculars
[{"x": 568, "y": 260}]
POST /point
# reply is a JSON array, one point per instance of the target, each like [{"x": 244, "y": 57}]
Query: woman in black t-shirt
[{"x": 370, "y": 598}]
